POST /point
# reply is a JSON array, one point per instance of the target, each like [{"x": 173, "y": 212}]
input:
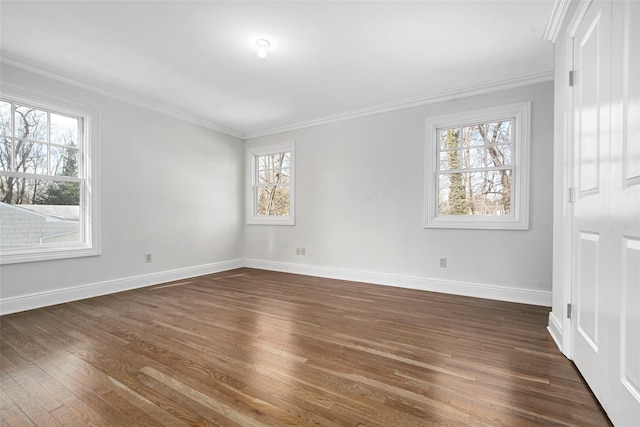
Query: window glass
[
  {"x": 481, "y": 155},
  {"x": 270, "y": 194},
  {"x": 477, "y": 169},
  {"x": 46, "y": 206}
]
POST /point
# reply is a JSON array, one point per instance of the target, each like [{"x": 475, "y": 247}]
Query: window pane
[
  {"x": 499, "y": 155},
  {"x": 274, "y": 168},
  {"x": 286, "y": 160},
  {"x": 444, "y": 161},
  {"x": 38, "y": 212},
  {"x": 452, "y": 195},
  {"x": 450, "y": 160},
  {"x": 31, "y": 157},
  {"x": 5, "y": 153},
  {"x": 449, "y": 138},
  {"x": 273, "y": 200},
  {"x": 476, "y": 135},
  {"x": 31, "y": 123},
  {"x": 5, "y": 118},
  {"x": 268, "y": 176},
  {"x": 472, "y": 136},
  {"x": 64, "y": 130},
  {"x": 264, "y": 163},
  {"x": 264, "y": 177},
  {"x": 503, "y": 132},
  {"x": 475, "y": 193},
  {"x": 474, "y": 157},
  {"x": 64, "y": 161},
  {"x": 491, "y": 133},
  {"x": 285, "y": 175}
]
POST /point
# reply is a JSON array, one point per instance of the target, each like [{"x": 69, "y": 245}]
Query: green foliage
[
  {"x": 23, "y": 191},
  {"x": 37, "y": 145},
  {"x": 64, "y": 193}
]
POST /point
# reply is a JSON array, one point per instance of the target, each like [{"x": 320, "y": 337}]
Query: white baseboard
[
  {"x": 60, "y": 296},
  {"x": 478, "y": 290},
  {"x": 555, "y": 330}
]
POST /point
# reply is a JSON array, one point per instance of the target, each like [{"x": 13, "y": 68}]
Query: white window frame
[
  {"x": 251, "y": 191},
  {"x": 519, "y": 219},
  {"x": 88, "y": 174}
]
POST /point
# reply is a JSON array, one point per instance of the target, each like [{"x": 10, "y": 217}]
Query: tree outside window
[
  {"x": 477, "y": 169},
  {"x": 270, "y": 193},
  {"x": 46, "y": 203},
  {"x": 272, "y": 187},
  {"x": 37, "y": 149}
]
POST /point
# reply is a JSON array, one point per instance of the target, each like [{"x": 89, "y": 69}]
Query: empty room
[{"x": 320, "y": 213}]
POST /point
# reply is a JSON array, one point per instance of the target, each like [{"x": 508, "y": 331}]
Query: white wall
[
  {"x": 359, "y": 213},
  {"x": 168, "y": 187},
  {"x": 175, "y": 189}
]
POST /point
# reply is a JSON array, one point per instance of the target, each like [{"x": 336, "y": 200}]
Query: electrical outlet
[
  {"x": 147, "y": 257},
  {"x": 443, "y": 262},
  {"x": 303, "y": 251}
]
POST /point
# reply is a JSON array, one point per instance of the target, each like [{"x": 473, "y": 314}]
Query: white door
[
  {"x": 591, "y": 112},
  {"x": 625, "y": 212},
  {"x": 606, "y": 211}
]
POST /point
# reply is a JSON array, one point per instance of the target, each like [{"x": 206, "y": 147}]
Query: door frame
[{"x": 569, "y": 155}]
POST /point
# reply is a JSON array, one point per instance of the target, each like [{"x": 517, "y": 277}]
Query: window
[
  {"x": 47, "y": 179},
  {"x": 270, "y": 196},
  {"x": 477, "y": 169}
]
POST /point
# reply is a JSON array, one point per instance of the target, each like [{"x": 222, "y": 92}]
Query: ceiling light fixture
[{"x": 263, "y": 45}]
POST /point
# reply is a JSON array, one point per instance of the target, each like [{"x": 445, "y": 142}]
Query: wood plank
[{"x": 258, "y": 348}]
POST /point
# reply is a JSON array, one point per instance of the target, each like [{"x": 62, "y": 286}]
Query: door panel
[
  {"x": 587, "y": 293},
  {"x": 630, "y": 336},
  {"x": 588, "y": 138},
  {"x": 631, "y": 94}
]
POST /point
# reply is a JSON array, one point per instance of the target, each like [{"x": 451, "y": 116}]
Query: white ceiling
[{"x": 328, "y": 59}]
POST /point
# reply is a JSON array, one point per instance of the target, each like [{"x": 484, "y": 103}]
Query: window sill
[
  {"x": 477, "y": 223},
  {"x": 46, "y": 254},
  {"x": 257, "y": 220}
]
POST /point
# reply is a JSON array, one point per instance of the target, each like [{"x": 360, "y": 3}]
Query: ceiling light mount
[{"x": 263, "y": 45}]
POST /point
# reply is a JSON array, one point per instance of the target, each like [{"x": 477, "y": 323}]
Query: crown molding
[
  {"x": 115, "y": 93},
  {"x": 469, "y": 91},
  {"x": 139, "y": 101},
  {"x": 578, "y": 15},
  {"x": 560, "y": 9}
]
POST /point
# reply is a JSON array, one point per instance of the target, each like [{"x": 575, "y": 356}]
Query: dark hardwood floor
[{"x": 254, "y": 348}]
